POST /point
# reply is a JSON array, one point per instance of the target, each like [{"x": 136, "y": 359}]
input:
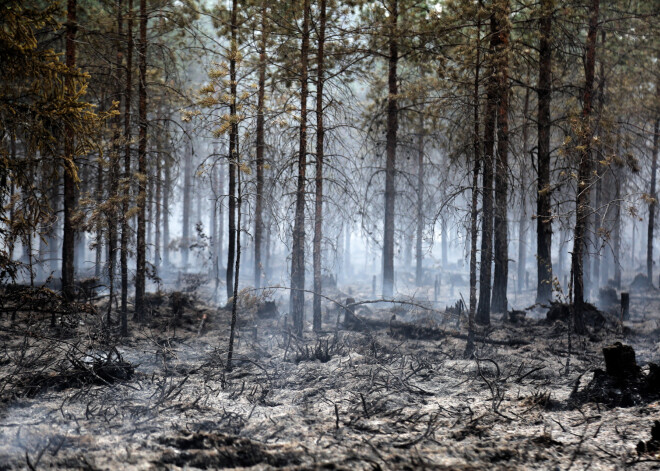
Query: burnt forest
[{"x": 329, "y": 234}]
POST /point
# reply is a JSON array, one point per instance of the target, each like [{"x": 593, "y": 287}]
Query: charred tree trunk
[
  {"x": 157, "y": 198},
  {"x": 485, "y": 274},
  {"x": 233, "y": 152},
  {"x": 258, "y": 205},
  {"x": 476, "y": 146},
  {"x": 125, "y": 228},
  {"x": 653, "y": 204},
  {"x": 420, "y": 206},
  {"x": 584, "y": 174},
  {"x": 234, "y": 304},
  {"x": 522, "y": 222},
  {"x": 99, "y": 226},
  {"x": 544, "y": 192},
  {"x": 187, "y": 193},
  {"x": 141, "y": 267},
  {"x": 113, "y": 219},
  {"x": 391, "y": 142},
  {"x": 318, "y": 203},
  {"x": 297, "y": 300},
  {"x": 501, "y": 276},
  {"x": 166, "y": 211},
  {"x": 70, "y": 170}
]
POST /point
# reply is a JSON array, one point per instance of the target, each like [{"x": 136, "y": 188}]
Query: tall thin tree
[{"x": 320, "y": 135}]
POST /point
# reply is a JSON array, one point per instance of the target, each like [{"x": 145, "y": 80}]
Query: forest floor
[{"x": 340, "y": 400}]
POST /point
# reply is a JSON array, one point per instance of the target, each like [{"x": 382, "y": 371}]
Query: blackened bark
[
  {"x": 113, "y": 219},
  {"x": 485, "y": 274},
  {"x": 476, "y": 145},
  {"x": 70, "y": 170},
  {"x": 233, "y": 154},
  {"x": 258, "y": 204},
  {"x": 234, "y": 304},
  {"x": 140, "y": 268},
  {"x": 187, "y": 194},
  {"x": 166, "y": 210},
  {"x": 584, "y": 173},
  {"x": 544, "y": 193},
  {"x": 522, "y": 222},
  {"x": 501, "y": 274},
  {"x": 390, "y": 146},
  {"x": 125, "y": 228},
  {"x": 318, "y": 202},
  {"x": 420, "y": 205},
  {"x": 653, "y": 204},
  {"x": 297, "y": 300},
  {"x": 159, "y": 190},
  {"x": 99, "y": 226}
]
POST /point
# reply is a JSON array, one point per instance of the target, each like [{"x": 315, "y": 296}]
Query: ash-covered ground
[{"x": 79, "y": 397}]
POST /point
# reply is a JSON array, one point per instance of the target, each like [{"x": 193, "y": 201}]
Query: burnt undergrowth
[{"x": 399, "y": 394}]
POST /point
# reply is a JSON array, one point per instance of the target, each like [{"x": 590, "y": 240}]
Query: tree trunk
[
  {"x": 234, "y": 304},
  {"x": 99, "y": 226},
  {"x": 125, "y": 228},
  {"x": 544, "y": 192},
  {"x": 187, "y": 194},
  {"x": 166, "y": 211},
  {"x": 114, "y": 166},
  {"x": 445, "y": 242},
  {"x": 258, "y": 205},
  {"x": 617, "y": 230},
  {"x": 522, "y": 222},
  {"x": 348, "y": 268},
  {"x": 70, "y": 170},
  {"x": 501, "y": 277},
  {"x": 476, "y": 145},
  {"x": 233, "y": 153},
  {"x": 159, "y": 190},
  {"x": 584, "y": 174},
  {"x": 420, "y": 205},
  {"x": 485, "y": 274},
  {"x": 140, "y": 268},
  {"x": 390, "y": 165},
  {"x": 318, "y": 203},
  {"x": 297, "y": 300},
  {"x": 653, "y": 204}
]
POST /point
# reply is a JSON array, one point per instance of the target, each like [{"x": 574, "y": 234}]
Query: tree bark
[
  {"x": 166, "y": 210},
  {"x": 501, "y": 276},
  {"x": 391, "y": 142},
  {"x": 233, "y": 154},
  {"x": 113, "y": 219},
  {"x": 234, "y": 304},
  {"x": 99, "y": 226},
  {"x": 522, "y": 222},
  {"x": 419, "y": 271},
  {"x": 485, "y": 274},
  {"x": 125, "y": 227},
  {"x": 584, "y": 174},
  {"x": 70, "y": 170},
  {"x": 653, "y": 204},
  {"x": 318, "y": 202},
  {"x": 140, "y": 268},
  {"x": 476, "y": 145},
  {"x": 297, "y": 300},
  {"x": 544, "y": 192},
  {"x": 187, "y": 193},
  {"x": 258, "y": 205},
  {"x": 157, "y": 198}
]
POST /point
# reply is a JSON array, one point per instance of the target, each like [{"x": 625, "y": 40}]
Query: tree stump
[
  {"x": 620, "y": 360},
  {"x": 625, "y": 306}
]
